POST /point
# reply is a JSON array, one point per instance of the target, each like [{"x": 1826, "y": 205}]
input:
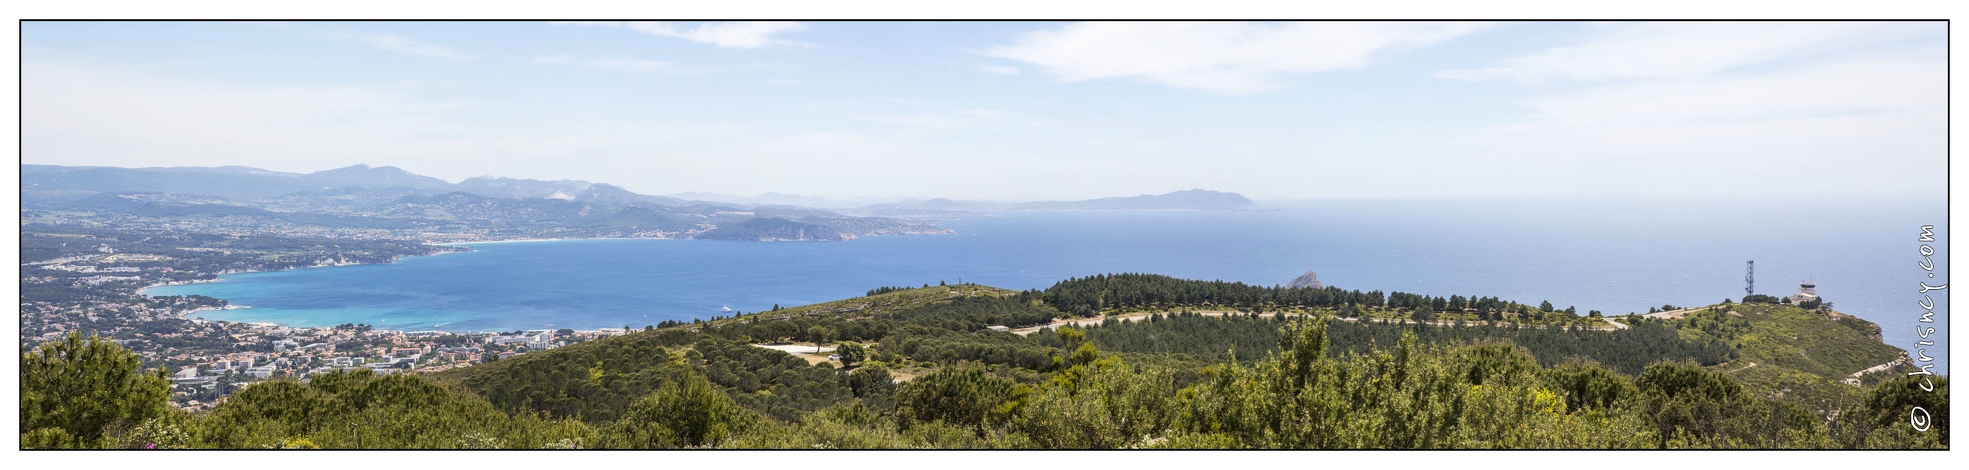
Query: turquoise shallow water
[{"x": 1613, "y": 256}]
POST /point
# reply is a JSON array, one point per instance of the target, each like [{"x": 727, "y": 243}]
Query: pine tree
[{"x": 75, "y": 390}]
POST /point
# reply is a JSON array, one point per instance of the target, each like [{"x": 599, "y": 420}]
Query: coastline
[
  {"x": 140, "y": 290},
  {"x": 195, "y": 313},
  {"x": 537, "y": 240},
  {"x": 190, "y": 315}
]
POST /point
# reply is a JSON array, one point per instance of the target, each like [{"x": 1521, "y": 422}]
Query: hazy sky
[{"x": 1017, "y": 111}]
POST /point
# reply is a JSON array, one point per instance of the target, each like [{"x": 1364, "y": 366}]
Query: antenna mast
[{"x": 1749, "y": 277}]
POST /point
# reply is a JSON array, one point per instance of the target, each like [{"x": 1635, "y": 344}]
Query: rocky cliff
[{"x": 1306, "y": 280}]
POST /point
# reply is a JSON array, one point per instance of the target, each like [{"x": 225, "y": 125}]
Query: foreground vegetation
[{"x": 1176, "y": 380}]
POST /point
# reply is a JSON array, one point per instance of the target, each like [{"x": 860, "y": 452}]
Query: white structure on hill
[{"x": 1807, "y": 291}]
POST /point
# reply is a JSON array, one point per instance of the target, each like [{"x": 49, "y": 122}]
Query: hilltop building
[{"x": 1807, "y": 291}]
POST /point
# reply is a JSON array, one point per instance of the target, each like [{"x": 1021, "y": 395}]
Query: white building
[
  {"x": 1807, "y": 291},
  {"x": 196, "y": 381},
  {"x": 538, "y": 336}
]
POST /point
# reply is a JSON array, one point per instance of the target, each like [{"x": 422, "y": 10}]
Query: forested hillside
[
  {"x": 1094, "y": 295},
  {"x": 918, "y": 367},
  {"x": 1625, "y": 351}
]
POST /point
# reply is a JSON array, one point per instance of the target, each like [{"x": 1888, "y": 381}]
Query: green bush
[{"x": 77, "y": 390}]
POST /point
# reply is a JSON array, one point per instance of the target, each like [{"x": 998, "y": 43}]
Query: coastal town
[
  {"x": 92, "y": 281},
  {"x": 271, "y": 351},
  {"x": 209, "y": 359},
  {"x": 91, "y": 248}
]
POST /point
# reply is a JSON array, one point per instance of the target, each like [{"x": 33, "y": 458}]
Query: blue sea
[{"x": 1612, "y": 255}]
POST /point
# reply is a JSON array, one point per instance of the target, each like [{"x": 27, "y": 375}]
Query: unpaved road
[
  {"x": 1753, "y": 364},
  {"x": 1132, "y": 316},
  {"x": 1138, "y": 316},
  {"x": 802, "y": 351},
  {"x": 1672, "y": 314},
  {"x": 1854, "y": 380}
]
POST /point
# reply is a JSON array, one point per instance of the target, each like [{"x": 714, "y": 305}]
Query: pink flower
[{"x": 152, "y": 445}]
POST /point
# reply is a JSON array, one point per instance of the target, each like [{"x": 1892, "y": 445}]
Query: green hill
[
  {"x": 1319, "y": 369},
  {"x": 1784, "y": 349}
]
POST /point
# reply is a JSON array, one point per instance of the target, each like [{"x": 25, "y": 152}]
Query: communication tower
[{"x": 1749, "y": 277}]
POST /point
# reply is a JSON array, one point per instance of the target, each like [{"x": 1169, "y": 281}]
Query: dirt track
[
  {"x": 802, "y": 351},
  {"x": 1137, "y": 316},
  {"x": 1854, "y": 379}
]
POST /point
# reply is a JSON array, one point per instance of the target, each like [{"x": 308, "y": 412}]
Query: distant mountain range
[
  {"x": 235, "y": 182},
  {"x": 238, "y": 182},
  {"x": 762, "y": 199},
  {"x": 1191, "y": 200},
  {"x": 359, "y": 200},
  {"x": 486, "y": 207}
]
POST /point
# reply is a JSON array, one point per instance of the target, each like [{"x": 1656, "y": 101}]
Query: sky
[{"x": 1017, "y": 111}]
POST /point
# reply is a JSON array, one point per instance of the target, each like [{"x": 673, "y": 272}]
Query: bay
[{"x": 1612, "y": 255}]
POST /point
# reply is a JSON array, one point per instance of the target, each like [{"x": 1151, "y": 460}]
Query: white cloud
[
  {"x": 97, "y": 115},
  {"x": 736, "y": 34},
  {"x": 90, "y": 114},
  {"x": 1849, "y": 126},
  {"x": 959, "y": 119},
  {"x": 399, "y": 45},
  {"x": 1687, "y": 49},
  {"x": 999, "y": 69},
  {"x": 1775, "y": 99},
  {"x": 1216, "y": 56},
  {"x": 623, "y": 64},
  {"x": 1720, "y": 108},
  {"x": 830, "y": 138},
  {"x": 930, "y": 121}
]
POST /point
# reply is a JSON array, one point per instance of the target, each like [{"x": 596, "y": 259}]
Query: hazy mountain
[
  {"x": 364, "y": 197},
  {"x": 612, "y": 194},
  {"x": 226, "y": 181},
  {"x": 771, "y": 229},
  {"x": 236, "y": 182},
  {"x": 762, "y": 199},
  {"x": 365, "y": 176},
  {"x": 1191, "y": 200},
  {"x": 708, "y": 197},
  {"x": 522, "y": 188},
  {"x": 51, "y": 182},
  {"x": 532, "y": 213},
  {"x": 938, "y": 207},
  {"x": 344, "y": 186},
  {"x": 789, "y": 199}
]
